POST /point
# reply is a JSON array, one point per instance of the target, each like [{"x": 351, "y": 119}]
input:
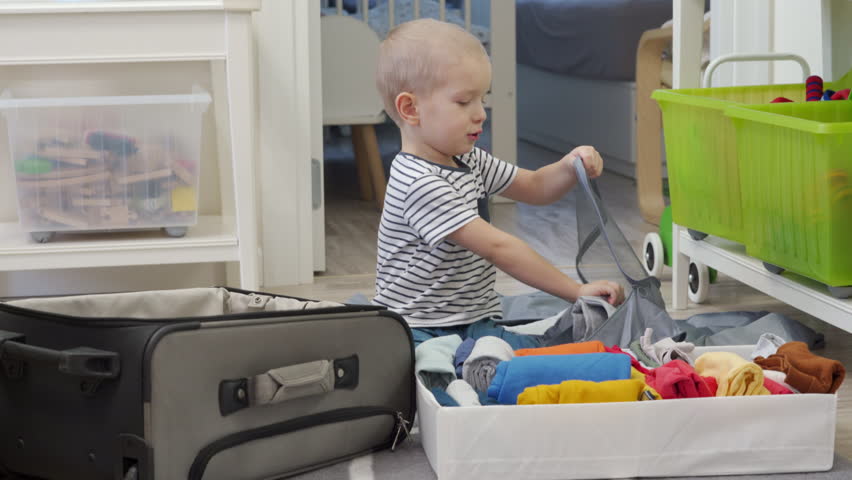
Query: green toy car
[{"x": 657, "y": 251}]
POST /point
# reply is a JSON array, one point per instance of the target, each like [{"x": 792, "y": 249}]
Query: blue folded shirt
[{"x": 514, "y": 376}]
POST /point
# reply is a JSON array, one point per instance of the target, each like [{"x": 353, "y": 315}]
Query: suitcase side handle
[
  {"x": 287, "y": 383},
  {"x": 84, "y": 362}
]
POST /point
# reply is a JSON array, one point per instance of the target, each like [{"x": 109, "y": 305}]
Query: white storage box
[
  {"x": 105, "y": 163},
  {"x": 678, "y": 438}
]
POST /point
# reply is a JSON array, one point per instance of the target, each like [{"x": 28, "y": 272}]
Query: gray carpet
[{"x": 409, "y": 462}]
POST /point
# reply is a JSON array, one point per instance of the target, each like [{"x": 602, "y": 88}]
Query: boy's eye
[{"x": 462, "y": 102}]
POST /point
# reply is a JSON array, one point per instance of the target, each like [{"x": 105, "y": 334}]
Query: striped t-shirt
[{"x": 427, "y": 279}]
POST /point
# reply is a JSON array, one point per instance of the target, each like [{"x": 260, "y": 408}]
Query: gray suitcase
[{"x": 208, "y": 383}]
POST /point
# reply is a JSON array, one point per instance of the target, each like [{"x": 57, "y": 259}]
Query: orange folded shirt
[{"x": 595, "y": 346}]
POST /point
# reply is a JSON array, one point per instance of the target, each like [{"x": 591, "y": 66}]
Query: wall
[{"x": 818, "y": 30}]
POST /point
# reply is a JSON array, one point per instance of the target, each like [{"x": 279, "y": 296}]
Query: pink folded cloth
[
  {"x": 775, "y": 388},
  {"x": 677, "y": 379}
]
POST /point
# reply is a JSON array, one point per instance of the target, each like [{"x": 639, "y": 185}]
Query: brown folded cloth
[{"x": 805, "y": 371}]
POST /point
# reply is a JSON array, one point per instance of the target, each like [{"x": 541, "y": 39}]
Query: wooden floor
[{"x": 351, "y": 252}]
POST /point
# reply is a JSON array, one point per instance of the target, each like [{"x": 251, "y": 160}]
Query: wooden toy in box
[{"x": 105, "y": 181}]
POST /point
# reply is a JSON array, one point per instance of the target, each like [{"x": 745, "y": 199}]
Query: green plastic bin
[
  {"x": 701, "y": 153},
  {"x": 795, "y": 165}
]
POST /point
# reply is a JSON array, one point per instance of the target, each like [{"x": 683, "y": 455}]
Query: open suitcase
[{"x": 207, "y": 383}]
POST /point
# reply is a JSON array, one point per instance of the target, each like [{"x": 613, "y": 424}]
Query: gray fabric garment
[
  {"x": 530, "y": 306},
  {"x": 463, "y": 394},
  {"x": 735, "y": 328},
  {"x": 535, "y": 328},
  {"x": 433, "y": 361},
  {"x": 580, "y": 321},
  {"x": 666, "y": 349},
  {"x": 481, "y": 365},
  {"x": 409, "y": 462},
  {"x": 767, "y": 345},
  {"x": 596, "y": 320}
]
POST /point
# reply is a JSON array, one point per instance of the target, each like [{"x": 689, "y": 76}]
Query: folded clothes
[
  {"x": 463, "y": 394},
  {"x": 582, "y": 391},
  {"x": 482, "y": 363},
  {"x": 443, "y": 398},
  {"x": 736, "y": 375},
  {"x": 767, "y": 344},
  {"x": 461, "y": 355},
  {"x": 514, "y": 376},
  {"x": 806, "y": 372},
  {"x": 666, "y": 349},
  {"x": 677, "y": 379},
  {"x": 775, "y": 388},
  {"x": 636, "y": 348},
  {"x": 640, "y": 376},
  {"x": 433, "y": 361},
  {"x": 780, "y": 378},
  {"x": 634, "y": 362},
  {"x": 565, "y": 349}
]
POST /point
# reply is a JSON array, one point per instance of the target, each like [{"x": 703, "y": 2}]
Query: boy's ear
[{"x": 406, "y": 107}]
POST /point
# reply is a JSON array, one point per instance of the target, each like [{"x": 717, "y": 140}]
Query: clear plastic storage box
[{"x": 105, "y": 163}]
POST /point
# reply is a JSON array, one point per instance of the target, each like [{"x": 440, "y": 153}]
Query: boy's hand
[
  {"x": 591, "y": 160},
  {"x": 603, "y": 288}
]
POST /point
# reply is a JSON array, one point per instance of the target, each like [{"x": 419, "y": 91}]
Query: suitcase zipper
[{"x": 199, "y": 465}]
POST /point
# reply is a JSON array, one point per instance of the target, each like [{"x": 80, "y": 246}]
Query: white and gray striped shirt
[{"x": 431, "y": 281}]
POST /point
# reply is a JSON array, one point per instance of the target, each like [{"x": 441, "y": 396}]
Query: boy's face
[{"x": 451, "y": 117}]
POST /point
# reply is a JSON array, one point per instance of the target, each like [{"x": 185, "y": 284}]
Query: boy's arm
[
  {"x": 548, "y": 184},
  {"x": 513, "y": 256}
]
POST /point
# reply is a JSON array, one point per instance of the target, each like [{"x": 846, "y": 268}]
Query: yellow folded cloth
[
  {"x": 637, "y": 375},
  {"x": 735, "y": 375},
  {"x": 581, "y": 391}
]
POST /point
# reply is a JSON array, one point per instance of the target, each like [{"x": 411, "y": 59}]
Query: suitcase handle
[
  {"x": 79, "y": 362},
  {"x": 288, "y": 383}
]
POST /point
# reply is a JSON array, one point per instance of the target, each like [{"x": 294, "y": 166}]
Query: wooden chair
[
  {"x": 652, "y": 72},
  {"x": 349, "y": 95},
  {"x": 649, "y": 123}
]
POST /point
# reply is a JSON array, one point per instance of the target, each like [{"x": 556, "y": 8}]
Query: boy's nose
[{"x": 480, "y": 115}]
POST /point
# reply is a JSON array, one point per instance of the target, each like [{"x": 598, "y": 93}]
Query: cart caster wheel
[
  {"x": 42, "y": 237},
  {"x": 774, "y": 269},
  {"x": 175, "y": 232},
  {"x": 699, "y": 282},
  {"x": 840, "y": 292},
  {"x": 654, "y": 255},
  {"x": 696, "y": 235}
]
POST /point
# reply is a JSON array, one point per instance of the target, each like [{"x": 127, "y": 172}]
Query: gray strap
[
  {"x": 287, "y": 383},
  {"x": 591, "y": 191}
]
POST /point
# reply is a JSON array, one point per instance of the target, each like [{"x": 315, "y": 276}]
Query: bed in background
[{"x": 576, "y": 73}]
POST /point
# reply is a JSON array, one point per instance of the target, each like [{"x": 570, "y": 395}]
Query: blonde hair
[{"x": 413, "y": 56}]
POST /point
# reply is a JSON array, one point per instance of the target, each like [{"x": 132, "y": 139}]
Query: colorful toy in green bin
[{"x": 657, "y": 251}]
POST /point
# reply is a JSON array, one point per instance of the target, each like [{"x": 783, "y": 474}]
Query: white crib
[{"x": 349, "y": 54}]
